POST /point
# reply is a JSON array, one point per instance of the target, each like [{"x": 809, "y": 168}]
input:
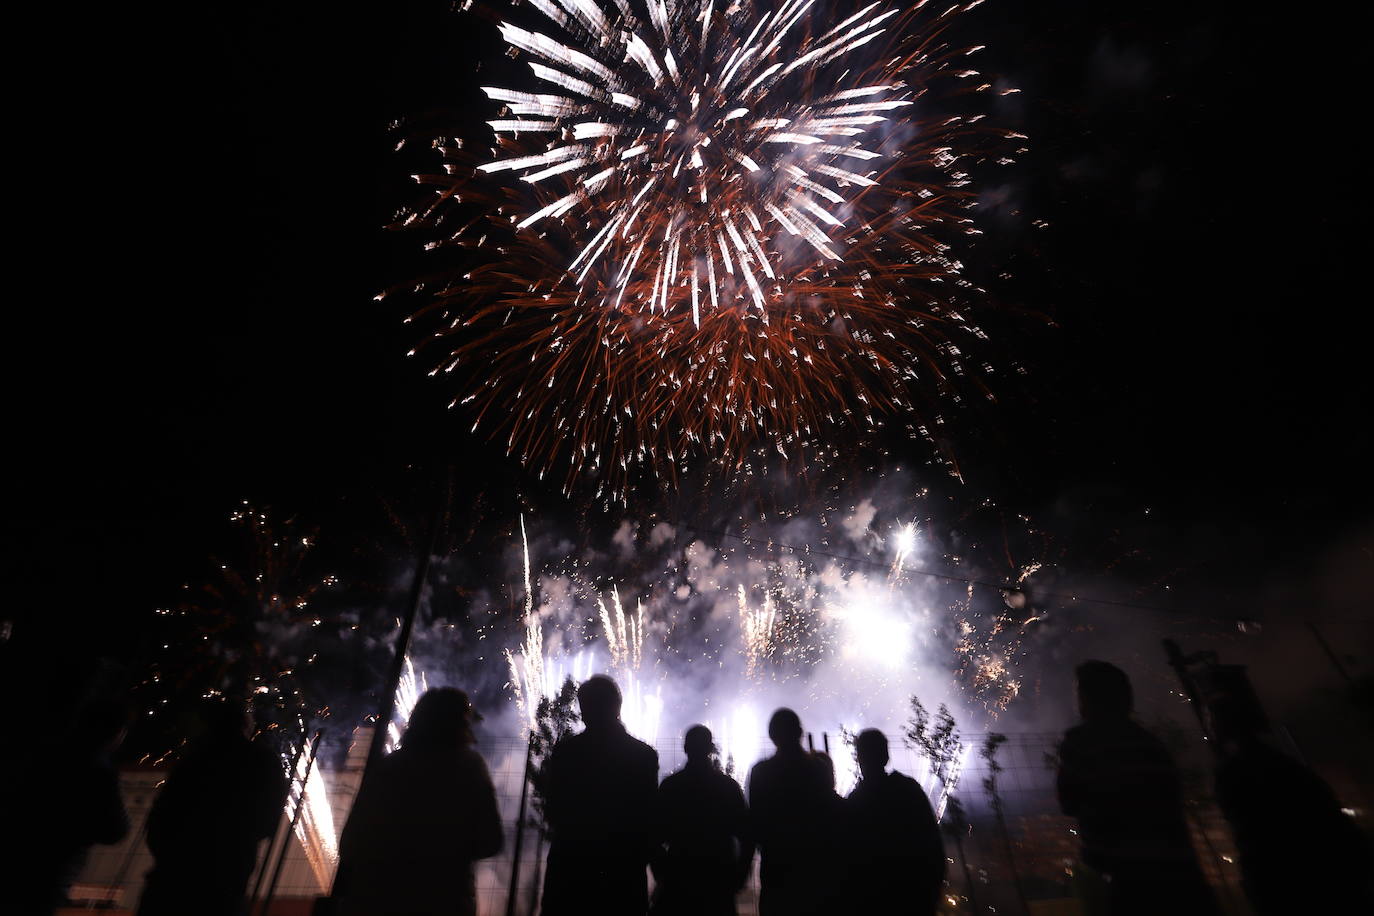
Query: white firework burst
[{"x": 696, "y": 136}]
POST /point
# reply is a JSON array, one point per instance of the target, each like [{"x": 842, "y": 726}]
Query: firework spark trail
[
  {"x": 986, "y": 658},
  {"x": 756, "y": 630},
  {"x": 718, "y": 229},
  {"x": 946, "y": 788},
  {"x": 528, "y": 676},
  {"x": 905, "y": 542},
  {"x": 728, "y": 634},
  {"x": 408, "y": 692},
  {"x": 525, "y": 545},
  {"x": 534, "y": 674},
  {"x": 668, "y": 136},
  {"x": 624, "y": 633},
  {"x": 527, "y": 670}
]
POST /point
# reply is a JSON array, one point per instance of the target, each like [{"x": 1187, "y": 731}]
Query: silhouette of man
[
  {"x": 1299, "y": 853},
  {"x": 224, "y": 797},
  {"x": 789, "y": 811},
  {"x": 65, "y": 800},
  {"x": 599, "y": 801},
  {"x": 899, "y": 857},
  {"x": 424, "y": 815},
  {"x": 1122, "y": 785},
  {"x": 704, "y": 850},
  {"x": 832, "y": 870}
]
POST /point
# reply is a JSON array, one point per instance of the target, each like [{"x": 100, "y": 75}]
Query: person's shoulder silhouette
[
  {"x": 898, "y": 855},
  {"x": 1122, "y": 784},
  {"x": 426, "y": 812},
  {"x": 600, "y": 787},
  {"x": 790, "y": 809},
  {"x": 1298, "y": 849},
  {"x": 62, "y": 802},
  {"x": 224, "y": 796},
  {"x": 703, "y": 850}
]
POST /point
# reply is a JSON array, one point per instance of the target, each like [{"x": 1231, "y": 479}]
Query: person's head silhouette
[
  {"x": 1238, "y": 720},
  {"x": 599, "y": 700},
  {"x": 100, "y": 726},
  {"x": 870, "y": 747},
  {"x": 222, "y": 719},
  {"x": 1104, "y": 692},
  {"x": 699, "y": 745},
  {"x": 785, "y": 729},
  {"x": 441, "y": 720}
]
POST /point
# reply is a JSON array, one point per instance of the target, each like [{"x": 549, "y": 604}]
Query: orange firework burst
[{"x": 722, "y": 229}]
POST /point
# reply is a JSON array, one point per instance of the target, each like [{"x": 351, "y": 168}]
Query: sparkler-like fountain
[{"x": 726, "y": 636}]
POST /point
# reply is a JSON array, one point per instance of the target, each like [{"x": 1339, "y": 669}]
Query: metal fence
[{"x": 1029, "y": 854}]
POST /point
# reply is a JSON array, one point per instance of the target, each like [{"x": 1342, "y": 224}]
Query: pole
[
  {"x": 1011, "y": 858},
  {"x": 1179, "y": 662},
  {"x": 398, "y": 661},
  {"x": 377, "y": 750},
  {"x": 1326, "y": 647},
  {"x": 520, "y": 830},
  {"x": 536, "y": 880},
  {"x": 133, "y": 850},
  {"x": 272, "y": 842},
  {"x": 295, "y": 819}
]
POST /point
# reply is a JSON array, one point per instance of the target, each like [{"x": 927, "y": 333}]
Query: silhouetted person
[
  {"x": 65, "y": 800},
  {"x": 832, "y": 870},
  {"x": 789, "y": 810},
  {"x": 1299, "y": 853},
  {"x": 425, "y": 813},
  {"x": 217, "y": 804},
  {"x": 601, "y": 786},
  {"x": 1122, "y": 785},
  {"x": 703, "y": 830},
  {"x": 898, "y": 855}
]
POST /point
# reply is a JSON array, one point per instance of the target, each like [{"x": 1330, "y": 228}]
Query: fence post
[
  {"x": 520, "y": 830},
  {"x": 398, "y": 661},
  {"x": 295, "y": 819},
  {"x": 535, "y": 884},
  {"x": 128, "y": 862},
  {"x": 272, "y": 840}
]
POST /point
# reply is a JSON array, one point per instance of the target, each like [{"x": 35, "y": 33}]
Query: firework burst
[{"x": 708, "y": 229}]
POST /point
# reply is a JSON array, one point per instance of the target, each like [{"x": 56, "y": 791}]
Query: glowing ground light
[{"x": 315, "y": 830}]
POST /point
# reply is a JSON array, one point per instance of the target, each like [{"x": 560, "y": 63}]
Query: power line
[{"x": 989, "y": 583}]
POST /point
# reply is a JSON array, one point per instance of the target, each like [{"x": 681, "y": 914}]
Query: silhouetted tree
[
  {"x": 938, "y": 739},
  {"x": 849, "y": 739},
  {"x": 554, "y": 718},
  {"x": 249, "y": 628},
  {"x": 989, "y": 750}
]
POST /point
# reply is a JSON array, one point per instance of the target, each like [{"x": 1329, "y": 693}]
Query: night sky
[{"x": 207, "y": 190}]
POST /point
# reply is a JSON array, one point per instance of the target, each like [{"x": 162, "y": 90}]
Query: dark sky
[{"x": 208, "y": 188}]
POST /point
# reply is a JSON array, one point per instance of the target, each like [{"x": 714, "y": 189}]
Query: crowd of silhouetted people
[
  {"x": 428, "y": 811},
  {"x": 611, "y": 823}
]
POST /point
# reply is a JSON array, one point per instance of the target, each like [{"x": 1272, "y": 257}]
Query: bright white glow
[
  {"x": 876, "y": 637},
  {"x": 904, "y": 542},
  {"x": 740, "y": 737},
  {"x": 315, "y": 829}
]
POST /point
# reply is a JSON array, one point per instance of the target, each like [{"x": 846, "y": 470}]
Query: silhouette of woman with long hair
[{"x": 425, "y": 814}]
